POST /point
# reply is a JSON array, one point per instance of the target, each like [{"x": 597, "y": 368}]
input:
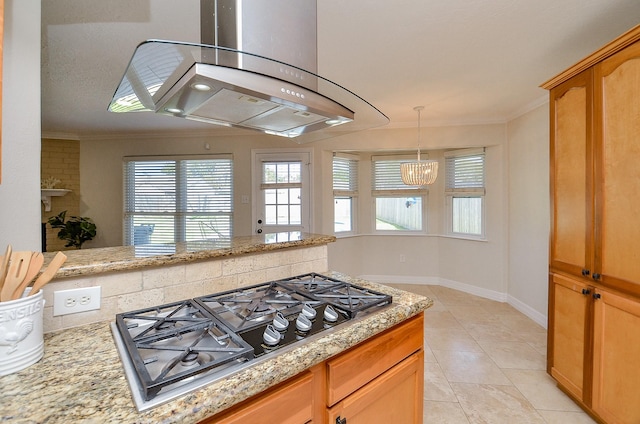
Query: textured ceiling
[{"x": 466, "y": 61}]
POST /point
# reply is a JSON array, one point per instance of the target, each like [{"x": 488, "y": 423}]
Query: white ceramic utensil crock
[{"x": 21, "y": 333}]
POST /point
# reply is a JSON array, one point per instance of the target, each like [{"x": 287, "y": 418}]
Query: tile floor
[{"x": 485, "y": 363}]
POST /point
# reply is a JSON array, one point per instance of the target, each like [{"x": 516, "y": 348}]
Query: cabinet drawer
[
  {"x": 361, "y": 364},
  {"x": 291, "y": 403}
]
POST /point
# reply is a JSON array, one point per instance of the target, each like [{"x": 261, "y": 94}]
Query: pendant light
[{"x": 419, "y": 173}]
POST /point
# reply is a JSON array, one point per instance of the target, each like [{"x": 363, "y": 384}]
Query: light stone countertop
[
  {"x": 81, "y": 380},
  {"x": 126, "y": 258}
]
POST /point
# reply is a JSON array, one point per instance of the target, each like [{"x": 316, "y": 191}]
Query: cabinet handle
[
  {"x": 596, "y": 296},
  {"x": 341, "y": 420},
  {"x": 585, "y": 272},
  {"x": 596, "y": 276},
  {"x": 586, "y": 291}
]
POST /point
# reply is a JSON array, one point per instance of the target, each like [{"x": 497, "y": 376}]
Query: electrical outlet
[
  {"x": 76, "y": 300},
  {"x": 403, "y": 259}
]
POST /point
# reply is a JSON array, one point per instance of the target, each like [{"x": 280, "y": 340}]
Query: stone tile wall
[{"x": 131, "y": 290}]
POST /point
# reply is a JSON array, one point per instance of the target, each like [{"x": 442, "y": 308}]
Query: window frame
[
  {"x": 397, "y": 190},
  {"x": 455, "y": 190},
  {"x": 181, "y": 212},
  {"x": 350, "y": 192}
]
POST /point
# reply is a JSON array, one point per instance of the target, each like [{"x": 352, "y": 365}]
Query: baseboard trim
[
  {"x": 527, "y": 310},
  {"x": 522, "y": 307}
]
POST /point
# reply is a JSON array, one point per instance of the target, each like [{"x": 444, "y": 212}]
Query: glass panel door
[{"x": 283, "y": 192}]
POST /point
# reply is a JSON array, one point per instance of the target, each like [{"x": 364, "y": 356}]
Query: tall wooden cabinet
[{"x": 594, "y": 284}]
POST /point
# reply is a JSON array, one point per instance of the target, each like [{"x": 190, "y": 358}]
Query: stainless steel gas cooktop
[{"x": 170, "y": 350}]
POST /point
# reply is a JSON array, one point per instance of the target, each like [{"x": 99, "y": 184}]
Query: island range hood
[{"x": 255, "y": 68}]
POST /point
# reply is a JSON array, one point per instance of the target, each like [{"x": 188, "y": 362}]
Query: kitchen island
[{"x": 81, "y": 377}]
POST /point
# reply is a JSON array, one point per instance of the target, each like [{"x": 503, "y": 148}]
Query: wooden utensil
[
  {"x": 48, "y": 273},
  {"x": 37, "y": 259},
  {"x": 4, "y": 266},
  {"x": 18, "y": 267}
]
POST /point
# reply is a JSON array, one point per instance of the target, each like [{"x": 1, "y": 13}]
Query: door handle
[{"x": 259, "y": 231}]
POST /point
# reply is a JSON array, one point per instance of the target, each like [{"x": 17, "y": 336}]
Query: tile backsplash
[{"x": 129, "y": 290}]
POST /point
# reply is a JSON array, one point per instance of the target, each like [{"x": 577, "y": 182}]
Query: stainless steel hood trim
[
  {"x": 249, "y": 100},
  {"x": 158, "y": 67}
]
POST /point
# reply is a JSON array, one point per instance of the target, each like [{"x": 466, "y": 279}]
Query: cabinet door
[
  {"x": 571, "y": 247},
  {"x": 569, "y": 324},
  {"x": 617, "y": 125},
  {"x": 616, "y": 392},
  {"x": 393, "y": 397}
]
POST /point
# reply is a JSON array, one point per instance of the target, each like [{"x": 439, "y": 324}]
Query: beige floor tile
[
  {"x": 450, "y": 339},
  {"x": 436, "y": 307},
  {"x": 521, "y": 323},
  {"x": 538, "y": 341},
  {"x": 469, "y": 367},
  {"x": 489, "y": 369},
  {"x": 441, "y": 319},
  {"x": 443, "y": 413},
  {"x": 517, "y": 355},
  {"x": 428, "y": 355},
  {"x": 563, "y": 417},
  {"x": 452, "y": 297},
  {"x": 493, "y": 404},
  {"x": 493, "y": 332},
  {"x": 436, "y": 385},
  {"x": 540, "y": 390}
]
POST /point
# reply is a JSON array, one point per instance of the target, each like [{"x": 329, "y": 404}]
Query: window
[
  {"x": 345, "y": 192},
  {"x": 465, "y": 191},
  {"x": 170, "y": 200},
  {"x": 398, "y": 206}
]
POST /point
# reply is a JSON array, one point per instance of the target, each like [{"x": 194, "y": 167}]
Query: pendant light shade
[{"x": 419, "y": 173}]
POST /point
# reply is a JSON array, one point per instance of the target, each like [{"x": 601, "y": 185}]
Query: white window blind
[
  {"x": 171, "y": 200},
  {"x": 345, "y": 176},
  {"x": 464, "y": 171},
  {"x": 398, "y": 207},
  {"x": 345, "y": 190},
  {"x": 386, "y": 175}
]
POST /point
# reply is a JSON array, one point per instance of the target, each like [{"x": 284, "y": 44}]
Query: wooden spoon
[
  {"x": 18, "y": 267},
  {"x": 37, "y": 259},
  {"x": 48, "y": 273},
  {"x": 4, "y": 266}
]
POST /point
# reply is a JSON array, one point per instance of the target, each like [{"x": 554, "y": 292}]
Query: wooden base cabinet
[
  {"x": 390, "y": 398},
  {"x": 594, "y": 346},
  {"x": 616, "y": 352},
  {"x": 379, "y": 380},
  {"x": 567, "y": 346}
]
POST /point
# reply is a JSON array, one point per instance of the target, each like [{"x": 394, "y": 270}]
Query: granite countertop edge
[
  {"x": 81, "y": 379},
  {"x": 127, "y": 258}
]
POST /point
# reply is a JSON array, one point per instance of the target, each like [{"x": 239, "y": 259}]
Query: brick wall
[{"x": 61, "y": 159}]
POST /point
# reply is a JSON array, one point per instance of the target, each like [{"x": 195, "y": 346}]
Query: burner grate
[{"x": 171, "y": 344}]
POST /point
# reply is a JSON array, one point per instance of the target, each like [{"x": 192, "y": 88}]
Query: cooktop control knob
[
  {"x": 303, "y": 323},
  {"x": 330, "y": 314},
  {"x": 280, "y": 323},
  {"x": 308, "y": 311},
  {"x": 271, "y": 337}
]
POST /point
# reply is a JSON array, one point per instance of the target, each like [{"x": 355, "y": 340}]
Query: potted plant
[{"x": 76, "y": 230}]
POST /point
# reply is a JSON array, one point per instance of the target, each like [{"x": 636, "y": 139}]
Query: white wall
[
  {"x": 529, "y": 211},
  {"x": 20, "y": 186}
]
